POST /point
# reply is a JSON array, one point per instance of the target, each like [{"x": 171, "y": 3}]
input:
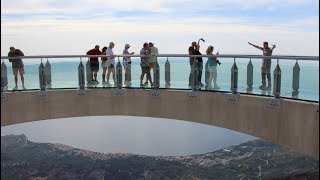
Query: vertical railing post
[
  {"x": 295, "y": 79},
  {"x": 48, "y": 73},
  {"x": 88, "y": 73},
  {"x": 4, "y": 76},
  {"x": 81, "y": 78},
  {"x": 167, "y": 72},
  {"x": 156, "y": 76},
  {"x": 277, "y": 81},
  {"x": 194, "y": 74},
  {"x": 249, "y": 76},
  {"x": 119, "y": 74},
  {"x": 206, "y": 74},
  {"x": 234, "y": 78},
  {"x": 42, "y": 77}
]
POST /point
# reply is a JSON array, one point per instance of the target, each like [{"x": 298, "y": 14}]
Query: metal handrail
[{"x": 309, "y": 58}]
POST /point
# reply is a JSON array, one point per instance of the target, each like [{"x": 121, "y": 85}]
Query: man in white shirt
[{"x": 110, "y": 63}]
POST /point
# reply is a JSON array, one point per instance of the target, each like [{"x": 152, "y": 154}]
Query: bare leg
[
  {"x": 16, "y": 80},
  {"x": 149, "y": 77},
  {"x": 22, "y": 79},
  {"x": 113, "y": 75},
  {"x": 104, "y": 74},
  {"x": 108, "y": 75},
  {"x": 141, "y": 77}
]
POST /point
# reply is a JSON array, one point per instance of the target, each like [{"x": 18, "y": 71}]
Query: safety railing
[{"x": 237, "y": 74}]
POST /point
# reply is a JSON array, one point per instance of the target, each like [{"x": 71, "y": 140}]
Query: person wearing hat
[
  {"x": 110, "y": 63},
  {"x": 94, "y": 63},
  {"x": 127, "y": 64}
]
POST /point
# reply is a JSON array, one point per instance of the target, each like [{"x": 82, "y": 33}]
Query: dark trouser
[
  {"x": 265, "y": 72},
  {"x": 190, "y": 75},
  {"x": 200, "y": 67}
]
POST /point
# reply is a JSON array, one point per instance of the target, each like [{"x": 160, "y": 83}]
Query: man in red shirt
[{"x": 94, "y": 63}]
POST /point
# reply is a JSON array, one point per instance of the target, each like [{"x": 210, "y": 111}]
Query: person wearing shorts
[
  {"x": 17, "y": 66},
  {"x": 145, "y": 69},
  {"x": 94, "y": 63},
  {"x": 153, "y": 59},
  {"x": 127, "y": 64},
  {"x": 110, "y": 63}
]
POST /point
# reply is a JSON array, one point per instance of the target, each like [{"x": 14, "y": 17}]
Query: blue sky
[{"x": 72, "y": 27}]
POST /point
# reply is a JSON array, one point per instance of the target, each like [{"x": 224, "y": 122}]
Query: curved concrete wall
[{"x": 294, "y": 124}]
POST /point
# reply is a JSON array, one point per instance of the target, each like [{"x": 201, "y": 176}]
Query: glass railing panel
[
  {"x": 308, "y": 81},
  {"x": 31, "y": 75},
  {"x": 64, "y": 74}
]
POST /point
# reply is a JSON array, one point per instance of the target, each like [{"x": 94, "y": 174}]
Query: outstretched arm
[
  {"x": 273, "y": 46},
  {"x": 198, "y": 45},
  {"x": 258, "y": 47}
]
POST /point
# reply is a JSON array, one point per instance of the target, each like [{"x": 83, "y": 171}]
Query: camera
[{"x": 218, "y": 62}]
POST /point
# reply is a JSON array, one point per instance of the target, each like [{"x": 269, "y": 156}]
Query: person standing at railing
[
  {"x": 104, "y": 64},
  {"x": 199, "y": 62},
  {"x": 94, "y": 63},
  {"x": 145, "y": 69},
  {"x": 17, "y": 66},
  {"x": 127, "y": 64},
  {"x": 153, "y": 59},
  {"x": 191, "y": 51},
  {"x": 110, "y": 63},
  {"x": 212, "y": 66},
  {"x": 266, "y": 64}
]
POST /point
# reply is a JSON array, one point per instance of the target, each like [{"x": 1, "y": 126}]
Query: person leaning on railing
[
  {"x": 17, "y": 66},
  {"x": 266, "y": 64},
  {"x": 94, "y": 63}
]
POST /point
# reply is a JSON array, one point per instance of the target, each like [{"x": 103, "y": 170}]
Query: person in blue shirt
[{"x": 212, "y": 66}]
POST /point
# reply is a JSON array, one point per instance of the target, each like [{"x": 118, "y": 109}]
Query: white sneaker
[
  {"x": 15, "y": 88},
  {"x": 24, "y": 88}
]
